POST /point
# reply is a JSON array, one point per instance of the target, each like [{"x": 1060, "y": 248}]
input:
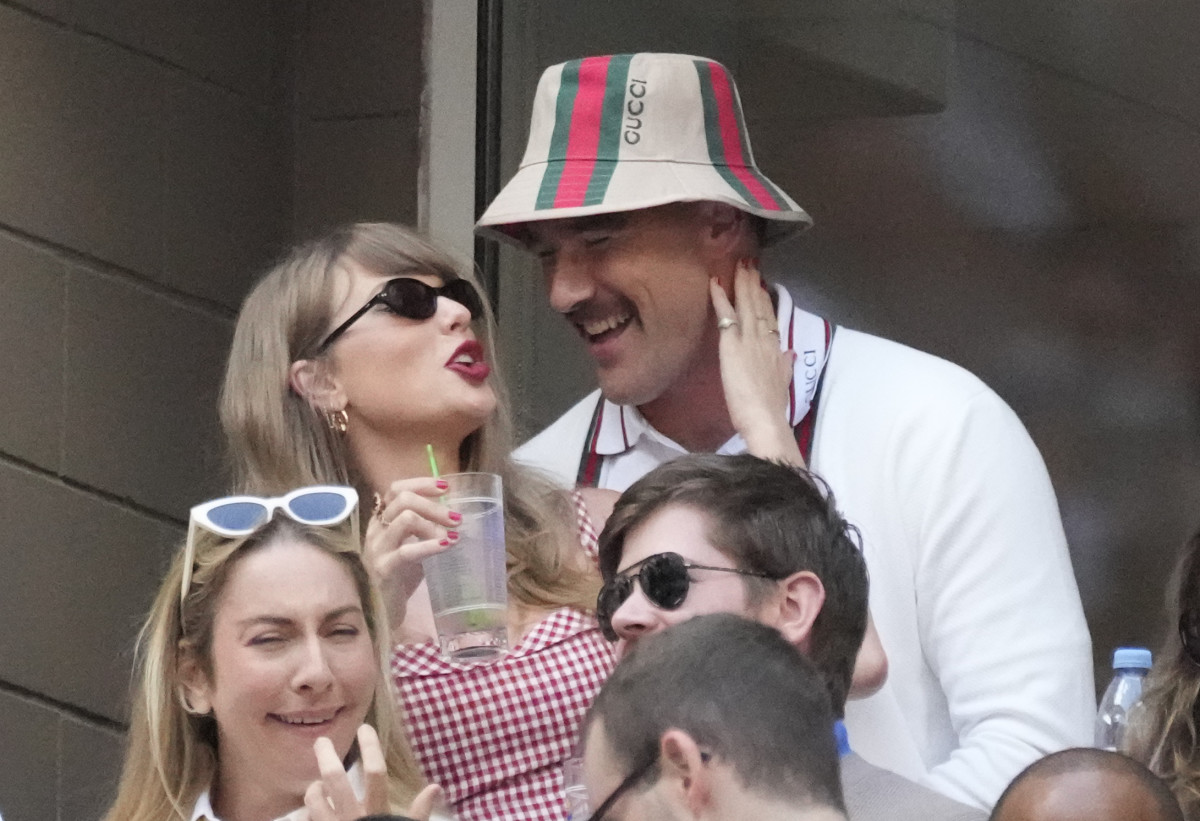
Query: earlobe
[
  {"x": 193, "y": 690},
  {"x": 301, "y": 375},
  {"x": 311, "y": 380},
  {"x": 685, "y": 772},
  {"x": 724, "y": 238},
  {"x": 722, "y": 219},
  {"x": 725, "y": 224},
  {"x": 803, "y": 598}
]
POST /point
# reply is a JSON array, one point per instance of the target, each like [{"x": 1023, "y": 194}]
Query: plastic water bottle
[{"x": 1130, "y": 665}]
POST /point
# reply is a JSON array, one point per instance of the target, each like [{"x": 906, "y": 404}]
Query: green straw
[{"x": 433, "y": 469}]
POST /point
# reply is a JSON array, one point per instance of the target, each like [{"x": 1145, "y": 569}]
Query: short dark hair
[
  {"x": 741, "y": 691},
  {"x": 768, "y": 518},
  {"x": 1112, "y": 765}
]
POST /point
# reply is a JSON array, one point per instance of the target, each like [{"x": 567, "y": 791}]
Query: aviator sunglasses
[
  {"x": 413, "y": 299},
  {"x": 233, "y": 516},
  {"x": 664, "y": 580}
]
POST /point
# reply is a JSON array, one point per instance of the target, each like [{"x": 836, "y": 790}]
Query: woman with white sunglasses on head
[
  {"x": 265, "y": 639},
  {"x": 349, "y": 357}
]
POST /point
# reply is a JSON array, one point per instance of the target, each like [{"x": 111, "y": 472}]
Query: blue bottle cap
[{"x": 1137, "y": 658}]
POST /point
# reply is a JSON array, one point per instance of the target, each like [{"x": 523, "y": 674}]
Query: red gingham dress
[{"x": 495, "y": 736}]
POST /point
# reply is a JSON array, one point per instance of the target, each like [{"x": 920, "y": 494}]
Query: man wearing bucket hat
[{"x": 639, "y": 193}]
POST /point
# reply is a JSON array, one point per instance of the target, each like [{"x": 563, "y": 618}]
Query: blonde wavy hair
[
  {"x": 277, "y": 440},
  {"x": 1165, "y": 731},
  {"x": 171, "y": 754}
]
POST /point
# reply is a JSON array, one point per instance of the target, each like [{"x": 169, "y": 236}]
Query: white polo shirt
[{"x": 972, "y": 589}]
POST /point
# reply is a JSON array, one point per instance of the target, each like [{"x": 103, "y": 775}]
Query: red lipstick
[{"x": 468, "y": 362}]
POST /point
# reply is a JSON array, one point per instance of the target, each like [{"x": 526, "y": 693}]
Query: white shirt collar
[{"x": 203, "y": 810}]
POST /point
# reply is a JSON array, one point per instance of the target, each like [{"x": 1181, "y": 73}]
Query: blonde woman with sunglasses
[
  {"x": 265, "y": 639},
  {"x": 349, "y": 357}
]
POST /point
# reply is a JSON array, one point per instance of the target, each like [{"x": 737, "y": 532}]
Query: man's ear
[
  {"x": 721, "y": 218},
  {"x": 725, "y": 239},
  {"x": 726, "y": 227},
  {"x": 195, "y": 690},
  {"x": 803, "y": 596},
  {"x": 313, "y": 381},
  {"x": 686, "y": 775}
]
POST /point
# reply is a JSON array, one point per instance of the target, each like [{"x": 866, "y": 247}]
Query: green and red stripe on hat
[{"x": 624, "y": 132}]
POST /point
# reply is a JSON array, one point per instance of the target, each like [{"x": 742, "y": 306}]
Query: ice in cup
[{"x": 468, "y": 582}]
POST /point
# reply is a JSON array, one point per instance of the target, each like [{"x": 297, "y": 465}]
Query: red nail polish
[
  {"x": 455, "y": 516},
  {"x": 444, "y": 543},
  {"x": 452, "y": 535},
  {"x": 443, "y": 484}
]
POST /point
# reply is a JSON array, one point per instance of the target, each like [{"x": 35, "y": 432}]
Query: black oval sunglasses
[{"x": 412, "y": 299}]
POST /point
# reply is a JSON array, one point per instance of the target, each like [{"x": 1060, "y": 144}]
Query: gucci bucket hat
[{"x": 627, "y": 131}]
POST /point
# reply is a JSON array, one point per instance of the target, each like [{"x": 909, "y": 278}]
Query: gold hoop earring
[{"x": 338, "y": 421}]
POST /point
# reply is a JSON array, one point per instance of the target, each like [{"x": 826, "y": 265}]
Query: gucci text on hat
[{"x": 627, "y": 131}]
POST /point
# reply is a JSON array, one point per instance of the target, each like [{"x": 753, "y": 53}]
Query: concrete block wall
[
  {"x": 154, "y": 156},
  {"x": 359, "y": 79}
]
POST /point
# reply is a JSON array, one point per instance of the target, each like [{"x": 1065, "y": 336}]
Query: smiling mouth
[
  {"x": 306, "y": 719},
  {"x": 597, "y": 329}
]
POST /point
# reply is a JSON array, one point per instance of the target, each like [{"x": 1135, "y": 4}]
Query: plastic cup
[
  {"x": 575, "y": 790},
  {"x": 468, "y": 582}
]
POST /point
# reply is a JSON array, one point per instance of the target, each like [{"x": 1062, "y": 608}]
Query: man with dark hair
[
  {"x": 718, "y": 718},
  {"x": 737, "y": 534},
  {"x": 641, "y": 198},
  {"x": 1085, "y": 784},
  {"x": 767, "y": 519}
]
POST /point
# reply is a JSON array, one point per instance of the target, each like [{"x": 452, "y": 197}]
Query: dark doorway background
[{"x": 1011, "y": 186}]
